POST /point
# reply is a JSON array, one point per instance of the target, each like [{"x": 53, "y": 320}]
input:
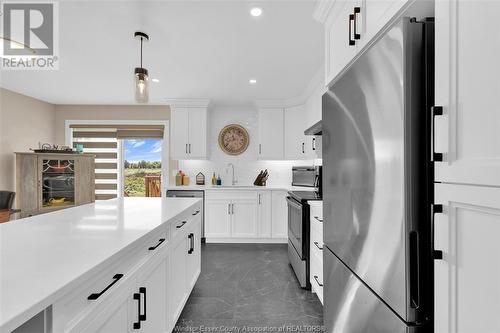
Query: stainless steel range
[{"x": 298, "y": 219}]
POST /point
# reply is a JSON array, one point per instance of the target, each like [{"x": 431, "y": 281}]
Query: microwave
[{"x": 307, "y": 176}]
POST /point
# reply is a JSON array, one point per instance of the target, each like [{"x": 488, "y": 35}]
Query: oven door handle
[{"x": 293, "y": 203}]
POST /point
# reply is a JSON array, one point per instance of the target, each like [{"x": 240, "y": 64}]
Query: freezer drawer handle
[
  {"x": 351, "y": 41},
  {"x": 137, "y": 324},
  {"x": 152, "y": 248},
  {"x": 181, "y": 225},
  {"x": 317, "y": 245},
  {"x": 95, "y": 296},
  {"x": 196, "y": 213},
  {"x": 318, "y": 219},
  {"x": 357, "y": 10},
  {"x": 317, "y": 281}
]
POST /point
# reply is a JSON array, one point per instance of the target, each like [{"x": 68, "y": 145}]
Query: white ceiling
[{"x": 198, "y": 49}]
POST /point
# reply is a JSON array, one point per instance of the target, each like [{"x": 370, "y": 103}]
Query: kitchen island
[{"x": 112, "y": 266}]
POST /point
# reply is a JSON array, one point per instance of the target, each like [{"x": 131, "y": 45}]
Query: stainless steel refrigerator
[{"x": 377, "y": 190}]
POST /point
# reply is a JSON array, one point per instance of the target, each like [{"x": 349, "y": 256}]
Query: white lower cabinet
[
  {"x": 279, "y": 221},
  {"x": 264, "y": 202},
  {"x": 466, "y": 287},
  {"x": 145, "y": 290},
  {"x": 245, "y": 216}
]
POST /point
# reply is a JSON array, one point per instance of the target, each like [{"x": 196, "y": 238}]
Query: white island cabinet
[{"x": 122, "y": 265}]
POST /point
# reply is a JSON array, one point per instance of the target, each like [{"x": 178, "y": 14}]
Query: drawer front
[
  {"x": 316, "y": 278},
  {"x": 185, "y": 222},
  {"x": 73, "y": 306}
]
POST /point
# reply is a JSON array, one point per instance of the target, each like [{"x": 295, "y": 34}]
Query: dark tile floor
[{"x": 249, "y": 287}]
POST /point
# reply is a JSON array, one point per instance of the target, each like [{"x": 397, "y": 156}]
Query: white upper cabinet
[
  {"x": 188, "y": 133},
  {"x": 271, "y": 134},
  {"x": 298, "y": 146},
  {"x": 467, "y": 87},
  {"x": 197, "y": 145},
  {"x": 350, "y": 25}
]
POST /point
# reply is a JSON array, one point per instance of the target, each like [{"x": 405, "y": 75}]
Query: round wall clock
[{"x": 234, "y": 139}]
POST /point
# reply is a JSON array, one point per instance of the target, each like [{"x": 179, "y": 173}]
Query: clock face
[{"x": 233, "y": 139}]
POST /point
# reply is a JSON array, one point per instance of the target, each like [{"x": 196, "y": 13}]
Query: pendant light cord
[{"x": 141, "y": 52}]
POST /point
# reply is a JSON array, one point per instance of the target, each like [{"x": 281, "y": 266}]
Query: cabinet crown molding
[{"x": 188, "y": 102}]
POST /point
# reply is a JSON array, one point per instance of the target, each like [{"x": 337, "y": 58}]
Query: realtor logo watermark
[{"x": 30, "y": 39}]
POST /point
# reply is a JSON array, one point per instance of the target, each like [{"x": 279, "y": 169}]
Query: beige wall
[
  {"x": 24, "y": 121},
  {"x": 109, "y": 112}
]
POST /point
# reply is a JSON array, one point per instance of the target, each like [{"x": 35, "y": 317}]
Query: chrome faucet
[{"x": 233, "y": 181}]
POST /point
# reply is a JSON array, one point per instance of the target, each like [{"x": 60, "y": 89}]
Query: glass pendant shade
[{"x": 141, "y": 85}]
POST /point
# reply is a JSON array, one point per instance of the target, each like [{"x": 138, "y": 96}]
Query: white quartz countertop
[
  {"x": 236, "y": 187},
  {"x": 44, "y": 256}
]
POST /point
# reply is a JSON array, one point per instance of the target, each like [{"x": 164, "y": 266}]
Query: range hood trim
[{"x": 316, "y": 129}]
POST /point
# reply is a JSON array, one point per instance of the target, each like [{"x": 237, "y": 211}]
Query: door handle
[
  {"x": 317, "y": 281},
  {"x": 95, "y": 296},
  {"x": 259, "y": 199},
  {"x": 181, "y": 225},
  {"x": 317, "y": 245},
  {"x": 357, "y": 10},
  {"x": 137, "y": 324},
  {"x": 303, "y": 148},
  {"x": 318, "y": 219},
  {"x": 435, "y": 209},
  {"x": 152, "y": 248},
  {"x": 232, "y": 209},
  {"x": 351, "y": 41},
  {"x": 189, "y": 145},
  {"x": 142, "y": 317},
  {"x": 260, "y": 149},
  {"x": 313, "y": 144},
  {"x": 195, "y": 213},
  {"x": 186, "y": 148},
  {"x": 229, "y": 209},
  {"x": 436, "y": 111}
]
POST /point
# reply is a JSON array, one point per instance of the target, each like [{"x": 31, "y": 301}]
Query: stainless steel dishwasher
[{"x": 192, "y": 194}]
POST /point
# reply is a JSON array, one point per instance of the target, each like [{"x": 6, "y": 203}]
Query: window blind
[{"x": 102, "y": 141}]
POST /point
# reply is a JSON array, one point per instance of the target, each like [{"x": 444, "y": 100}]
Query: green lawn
[{"x": 134, "y": 181}]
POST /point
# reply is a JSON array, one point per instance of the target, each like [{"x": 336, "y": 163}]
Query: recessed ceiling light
[
  {"x": 155, "y": 80},
  {"x": 256, "y": 11},
  {"x": 252, "y": 81}
]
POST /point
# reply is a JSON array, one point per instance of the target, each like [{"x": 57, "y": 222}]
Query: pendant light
[{"x": 141, "y": 75}]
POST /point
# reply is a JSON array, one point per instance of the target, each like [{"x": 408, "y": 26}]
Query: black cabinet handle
[
  {"x": 97, "y": 295},
  {"x": 181, "y": 225},
  {"x": 137, "y": 324},
  {"x": 351, "y": 41},
  {"x": 195, "y": 213},
  {"x": 303, "y": 148},
  {"x": 357, "y": 10},
  {"x": 317, "y": 245},
  {"x": 260, "y": 149},
  {"x": 313, "y": 144},
  {"x": 317, "y": 281},
  {"x": 436, "y": 111},
  {"x": 142, "y": 317},
  {"x": 152, "y": 248},
  {"x": 318, "y": 219},
  {"x": 191, "y": 243}
]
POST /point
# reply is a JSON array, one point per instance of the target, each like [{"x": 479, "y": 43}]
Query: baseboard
[{"x": 248, "y": 240}]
